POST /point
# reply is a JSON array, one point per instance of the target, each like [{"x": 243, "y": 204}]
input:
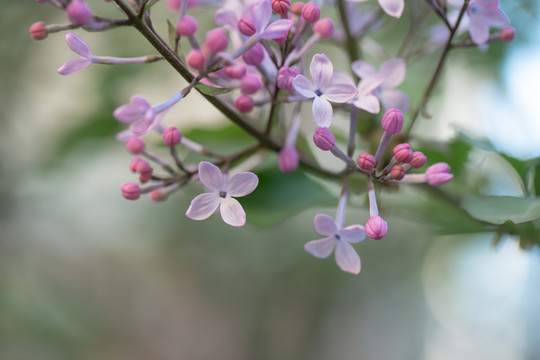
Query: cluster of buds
[{"x": 256, "y": 60}]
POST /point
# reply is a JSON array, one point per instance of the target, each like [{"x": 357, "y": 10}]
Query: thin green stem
[{"x": 438, "y": 70}]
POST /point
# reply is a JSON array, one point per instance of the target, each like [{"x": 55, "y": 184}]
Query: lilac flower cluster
[{"x": 252, "y": 67}]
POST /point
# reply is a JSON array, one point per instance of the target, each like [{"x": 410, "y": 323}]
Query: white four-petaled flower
[
  {"x": 322, "y": 90},
  {"x": 338, "y": 238},
  {"x": 221, "y": 191}
]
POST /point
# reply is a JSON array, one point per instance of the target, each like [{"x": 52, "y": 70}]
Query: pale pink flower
[
  {"x": 483, "y": 14},
  {"x": 221, "y": 191},
  {"x": 364, "y": 99},
  {"x": 322, "y": 90},
  {"x": 393, "y": 73},
  {"x": 339, "y": 239}
]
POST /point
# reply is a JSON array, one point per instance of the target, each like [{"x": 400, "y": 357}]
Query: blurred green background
[{"x": 85, "y": 274}]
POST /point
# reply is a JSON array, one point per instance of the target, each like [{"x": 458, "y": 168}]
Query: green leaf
[
  {"x": 500, "y": 209},
  {"x": 173, "y": 35},
  {"x": 280, "y": 196},
  {"x": 211, "y": 90}
]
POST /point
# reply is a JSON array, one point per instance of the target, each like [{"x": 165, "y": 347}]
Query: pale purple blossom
[
  {"x": 339, "y": 239},
  {"x": 393, "y": 8},
  {"x": 221, "y": 193},
  {"x": 323, "y": 90},
  {"x": 483, "y": 14},
  {"x": 393, "y": 73},
  {"x": 80, "y": 47},
  {"x": 141, "y": 115},
  {"x": 365, "y": 98}
]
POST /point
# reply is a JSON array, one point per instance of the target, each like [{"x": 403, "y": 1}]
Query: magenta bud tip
[
  {"x": 366, "y": 162},
  {"x": 172, "y": 136},
  {"x": 131, "y": 191},
  {"x": 187, "y": 26},
  {"x": 324, "y": 28},
  {"x": 324, "y": 139},
  {"x": 311, "y": 12},
  {"x": 403, "y": 153},
  {"x": 392, "y": 121},
  {"x": 244, "y": 103},
  {"x": 376, "y": 227}
]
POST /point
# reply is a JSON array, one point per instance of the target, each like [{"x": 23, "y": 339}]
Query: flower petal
[
  {"x": 303, "y": 86},
  {"x": 226, "y": 17},
  {"x": 232, "y": 212},
  {"x": 369, "y": 103},
  {"x": 321, "y": 70},
  {"x": 321, "y": 248},
  {"x": 393, "y": 72},
  {"x": 340, "y": 93},
  {"x": 262, "y": 12},
  {"x": 325, "y": 225},
  {"x": 241, "y": 184},
  {"x": 340, "y": 77},
  {"x": 211, "y": 176},
  {"x": 129, "y": 113},
  {"x": 395, "y": 99},
  {"x": 369, "y": 83},
  {"x": 393, "y": 7},
  {"x": 322, "y": 112},
  {"x": 74, "y": 66},
  {"x": 203, "y": 206},
  {"x": 78, "y": 45},
  {"x": 363, "y": 68},
  {"x": 352, "y": 234},
  {"x": 495, "y": 17},
  {"x": 479, "y": 30},
  {"x": 277, "y": 29},
  {"x": 347, "y": 258}
]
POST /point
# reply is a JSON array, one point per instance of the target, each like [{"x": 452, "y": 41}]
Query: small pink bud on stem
[
  {"x": 398, "y": 172},
  {"x": 366, "y": 162},
  {"x": 135, "y": 145},
  {"x": 78, "y": 12},
  {"x": 311, "y": 12},
  {"x": 288, "y": 159},
  {"x": 246, "y": 26},
  {"x": 171, "y": 136},
  {"x": 437, "y": 174},
  {"x": 508, "y": 34},
  {"x": 244, "y": 103},
  {"x": 196, "y": 60},
  {"x": 38, "y": 31},
  {"x": 131, "y": 191},
  {"x": 376, "y": 227},
  {"x": 324, "y": 139},
  {"x": 324, "y": 28},
  {"x": 187, "y": 26},
  {"x": 281, "y": 7},
  {"x": 250, "y": 84},
  {"x": 392, "y": 123},
  {"x": 403, "y": 153},
  {"x": 297, "y": 7},
  {"x": 418, "y": 160}
]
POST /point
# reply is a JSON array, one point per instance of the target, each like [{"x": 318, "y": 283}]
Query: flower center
[
  {"x": 222, "y": 194},
  {"x": 337, "y": 237},
  {"x": 318, "y": 92}
]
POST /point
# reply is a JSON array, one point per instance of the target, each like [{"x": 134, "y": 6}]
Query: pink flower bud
[
  {"x": 38, "y": 31},
  {"x": 175, "y": 4},
  {"x": 145, "y": 177},
  {"x": 508, "y": 34},
  {"x": 250, "y": 84},
  {"x": 324, "y": 139},
  {"x": 281, "y": 7},
  {"x": 140, "y": 165},
  {"x": 171, "y": 136},
  {"x": 216, "y": 41},
  {"x": 311, "y": 12},
  {"x": 392, "y": 121},
  {"x": 78, "y": 12},
  {"x": 376, "y": 227},
  {"x": 236, "y": 71},
  {"x": 398, "y": 172},
  {"x": 288, "y": 159},
  {"x": 187, "y": 26},
  {"x": 244, "y": 103},
  {"x": 437, "y": 174},
  {"x": 418, "y": 160},
  {"x": 135, "y": 145},
  {"x": 196, "y": 60},
  {"x": 403, "y": 153},
  {"x": 366, "y": 162},
  {"x": 131, "y": 191},
  {"x": 324, "y": 28},
  {"x": 158, "y": 195},
  {"x": 297, "y": 7},
  {"x": 285, "y": 77},
  {"x": 246, "y": 26},
  {"x": 254, "y": 56}
]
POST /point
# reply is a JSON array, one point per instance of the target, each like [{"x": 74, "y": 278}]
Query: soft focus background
[{"x": 87, "y": 275}]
